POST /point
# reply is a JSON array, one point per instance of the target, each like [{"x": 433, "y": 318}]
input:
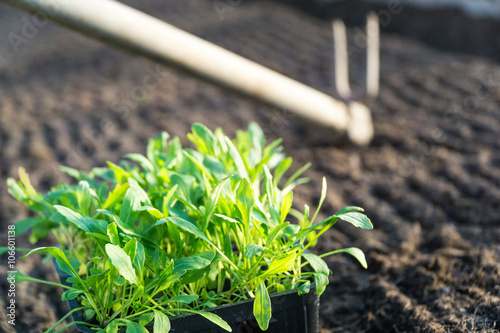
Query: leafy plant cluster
[{"x": 181, "y": 230}]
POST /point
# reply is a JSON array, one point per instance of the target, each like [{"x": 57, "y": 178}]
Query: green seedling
[{"x": 181, "y": 231}]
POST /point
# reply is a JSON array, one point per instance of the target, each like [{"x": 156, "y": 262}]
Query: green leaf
[
  {"x": 120, "y": 174},
  {"x": 196, "y": 261},
  {"x": 260, "y": 213},
  {"x": 174, "y": 153},
  {"x": 286, "y": 204},
  {"x": 134, "y": 196},
  {"x": 275, "y": 232},
  {"x": 272, "y": 148},
  {"x": 318, "y": 264},
  {"x": 151, "y": 210},
  {"x": 82, "y": 222},
  {"x": 71, "y": 294},
  {"x": 41, "y": 230},
  {"x": 304, "y": 288},
  {"x": 355, "y": 252},
  {"x": 112, "y": 232},
  {"x": 252, "y": 250},
  {"x": 213, "y": 318},
  {"x": 104, "y": 173},
  {"x": 296, "y": 175},
  {"x": 215, "y": 166},
  {"x": 26, "y": 224},
  {"x": 89, "y": 314},
  {"x": 185, "y": 183},
  {"x": 282, "y": 264},
  {"x": 187, "y": 226},
  {"x": 20, "y": 278},
  {"x": 269, "y": 186},
  {"x": 282, "y": 167},
  {"x": 162, "y": 323},
  {"x": 121, "y": 260},
  {"x": 322, "y": 198},
  {"x": 133, "y": 327},
  {"x": 291, "y": 231},
  {"x": 166, "y": 281},
  {"x": 227, "y": 218},
  {"x": 142, "y": 160},
  {"x": 355, "y": 218},
  {"x": 25, "y": 180},
  {"x": 349, "y": 209},
  {"x": 83, "y": 196},
  {"x": 245, "y": 200},
  {"x": 116, "y": 195},
  {"x": 130, "y": 248},
  {"x": 140, "y": 257},
  {"x": 196, "y": 274},
  {"x": 4, "y": 249},
  {"x": 262, "y": 306},
  {"x": 146, "y": 318},
  {"x": 321, "y": 281},
  {"x": 258, "y": 140},
  {"x": 186, "y": 299},
  {"x": 15, "y": 190},
  {"x": 211, "y": 204},
  {"x": 78, "y": 175},
  {"x": 132, "y": 231},
  {"x": 203, "y": 138},
  {"x": 57, "y": 253},
  {"x": 236, "y": 157},
  {"x": 156, "y": 147},
  {"x": 275, "y": 216},
  {"x": 112, "y": 327}
]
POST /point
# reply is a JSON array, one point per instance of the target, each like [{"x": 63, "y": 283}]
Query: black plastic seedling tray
[{"x": 292, "y": 313}]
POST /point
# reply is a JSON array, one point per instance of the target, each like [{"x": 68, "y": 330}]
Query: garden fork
[{"x": 360, "y": 115}]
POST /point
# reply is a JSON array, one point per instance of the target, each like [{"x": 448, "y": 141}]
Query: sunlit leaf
[
  {"x": 275, "y": 232},
  {"x": 245, "y": 200},
  {"x": 146, "y": 318},
  {"x": 84, "y": 196},
  {"x": 356, "y": 219},
  {"x": 196, "y": 261},
  {"x": 283, "y": 264},
  {"x": 133, "y": 327},
  {"x": 161, "y": 323},
  {"x": 116, "y": 195},
  {"x": 121, "y": 260},
  {"x": 214, "y": 319},
  {"x": 58, "y": 254},
  {"x": 318, "y": 264},
  {"x": 237, "y": 160},
  {"x": 80, "y": 221},
  {"x": 252, "y": 250},
  {"x": 286, "y": 204},
  {"x": 355, "y": 252},
  {"x": 262, "y": 306},
  {"x": 183, "y": 299}
]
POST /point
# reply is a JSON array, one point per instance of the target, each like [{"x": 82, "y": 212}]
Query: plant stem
[{"x": 63, "y": 318}]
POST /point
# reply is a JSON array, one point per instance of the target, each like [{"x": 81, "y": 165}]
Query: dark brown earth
[{"x": 429, "y": 180}]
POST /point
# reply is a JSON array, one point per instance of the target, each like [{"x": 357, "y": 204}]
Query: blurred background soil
[{"x": 429, "y": 180}]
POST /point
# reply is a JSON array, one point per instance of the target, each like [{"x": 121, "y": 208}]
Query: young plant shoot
[{"x": 181, "y": 231}]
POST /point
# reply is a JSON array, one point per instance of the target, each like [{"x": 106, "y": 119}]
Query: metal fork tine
[
  {"x": 360, "y": 127},
  {"x": 372, "y": 55},
  {"x": 341, "y": 65},
  {"x": 341, "y": 61}
]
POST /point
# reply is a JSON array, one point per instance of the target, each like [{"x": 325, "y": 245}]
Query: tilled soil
[{"x": 429, "y": 180}]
